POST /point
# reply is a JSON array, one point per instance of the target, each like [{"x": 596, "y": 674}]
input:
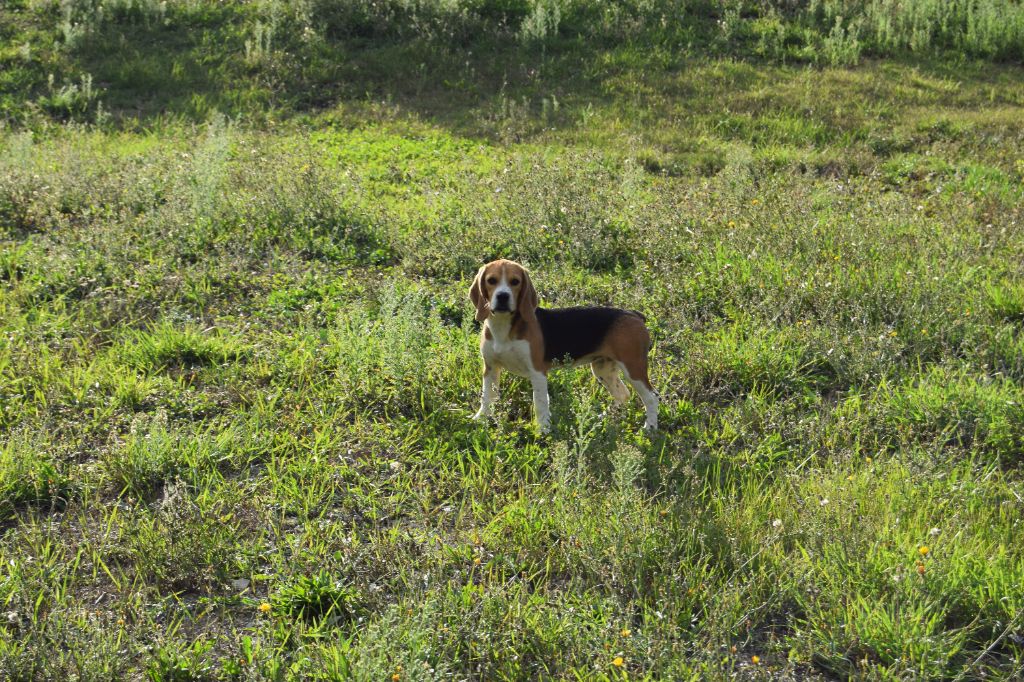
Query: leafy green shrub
[
  {"x": 543, "y": 21},
  {"x": 72, "y": 101},
  {"x": 174, "y": 663},
  {"x": 991, "y": 28},
  {"x": 842, "y": 47},
  {"x": 391, "y": 353},
  {"x": 316, "y": 597},
  {"x": 79, "y": 19}
]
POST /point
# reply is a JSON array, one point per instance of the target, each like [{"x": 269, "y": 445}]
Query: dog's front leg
[
  {"x": 541, "y": 409},
  {"x": 489, "y": 393}
]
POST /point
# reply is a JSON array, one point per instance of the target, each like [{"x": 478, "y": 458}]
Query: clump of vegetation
[
  {"x": 167, "y": 347},
  {"x": 29, "y": 475},
  {"x": 316, "y": 597}
]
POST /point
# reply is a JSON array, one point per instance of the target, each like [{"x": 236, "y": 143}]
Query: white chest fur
[{"x": 510, "y": 354}]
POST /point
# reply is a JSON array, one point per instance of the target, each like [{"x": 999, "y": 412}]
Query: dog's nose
[{"x": 502, "y": 300}]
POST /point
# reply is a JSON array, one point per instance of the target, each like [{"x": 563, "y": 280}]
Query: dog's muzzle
[{"x": 501, "y": 303}]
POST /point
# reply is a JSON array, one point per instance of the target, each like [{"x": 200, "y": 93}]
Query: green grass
[{"x": 238, "y": 361}]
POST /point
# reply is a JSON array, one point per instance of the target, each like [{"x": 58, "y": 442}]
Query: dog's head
[{"x": 503, "y": 287}]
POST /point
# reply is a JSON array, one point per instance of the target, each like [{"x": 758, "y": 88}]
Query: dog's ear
[
  {"x": 479, "y": 297},
  {"x": 526, "y": 304}
]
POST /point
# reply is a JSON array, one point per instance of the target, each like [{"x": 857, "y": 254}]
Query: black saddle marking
[{"x": 574, "y": 333}]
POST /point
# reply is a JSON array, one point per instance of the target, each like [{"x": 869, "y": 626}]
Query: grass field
[{"x": 238, "y": 361}]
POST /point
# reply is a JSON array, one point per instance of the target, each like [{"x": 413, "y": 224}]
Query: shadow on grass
[{"x": 477, "y": 77}]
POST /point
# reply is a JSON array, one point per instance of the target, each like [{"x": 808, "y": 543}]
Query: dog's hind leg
[
  {"x": 607, "y": 372},
  {"x": 636, "y": 372}
]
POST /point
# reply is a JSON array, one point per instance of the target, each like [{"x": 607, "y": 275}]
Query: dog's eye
[
  {"x": 492, "y": 280},
  {"x": 514, "y": 282}
]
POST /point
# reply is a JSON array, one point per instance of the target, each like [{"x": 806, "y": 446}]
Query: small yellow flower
[
  {"x": 618, "y": 662},
  {"x": 868, "y": 460},
  {"x": 732, "y": 223},
  {"x": 923, "y": 550},
  {"x": 625, "y": 632},
  {"x": 754, "y": 202},
  {"x": 396, "y": 677},
  {"x": 755, "y": 659},
  {"x": 264, "y": 607},
  {"x": 476, "y": 561},
  {"x": 920, "y": 568}
]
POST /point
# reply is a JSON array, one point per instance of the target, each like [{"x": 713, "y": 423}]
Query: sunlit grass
[{"x": 237, "y": 365}]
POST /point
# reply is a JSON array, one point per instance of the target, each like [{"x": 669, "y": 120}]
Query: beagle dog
[{"x": 527, "y": 340}]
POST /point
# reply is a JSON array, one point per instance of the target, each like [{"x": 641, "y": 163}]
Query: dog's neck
[{"x": 500, "y": 326}]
